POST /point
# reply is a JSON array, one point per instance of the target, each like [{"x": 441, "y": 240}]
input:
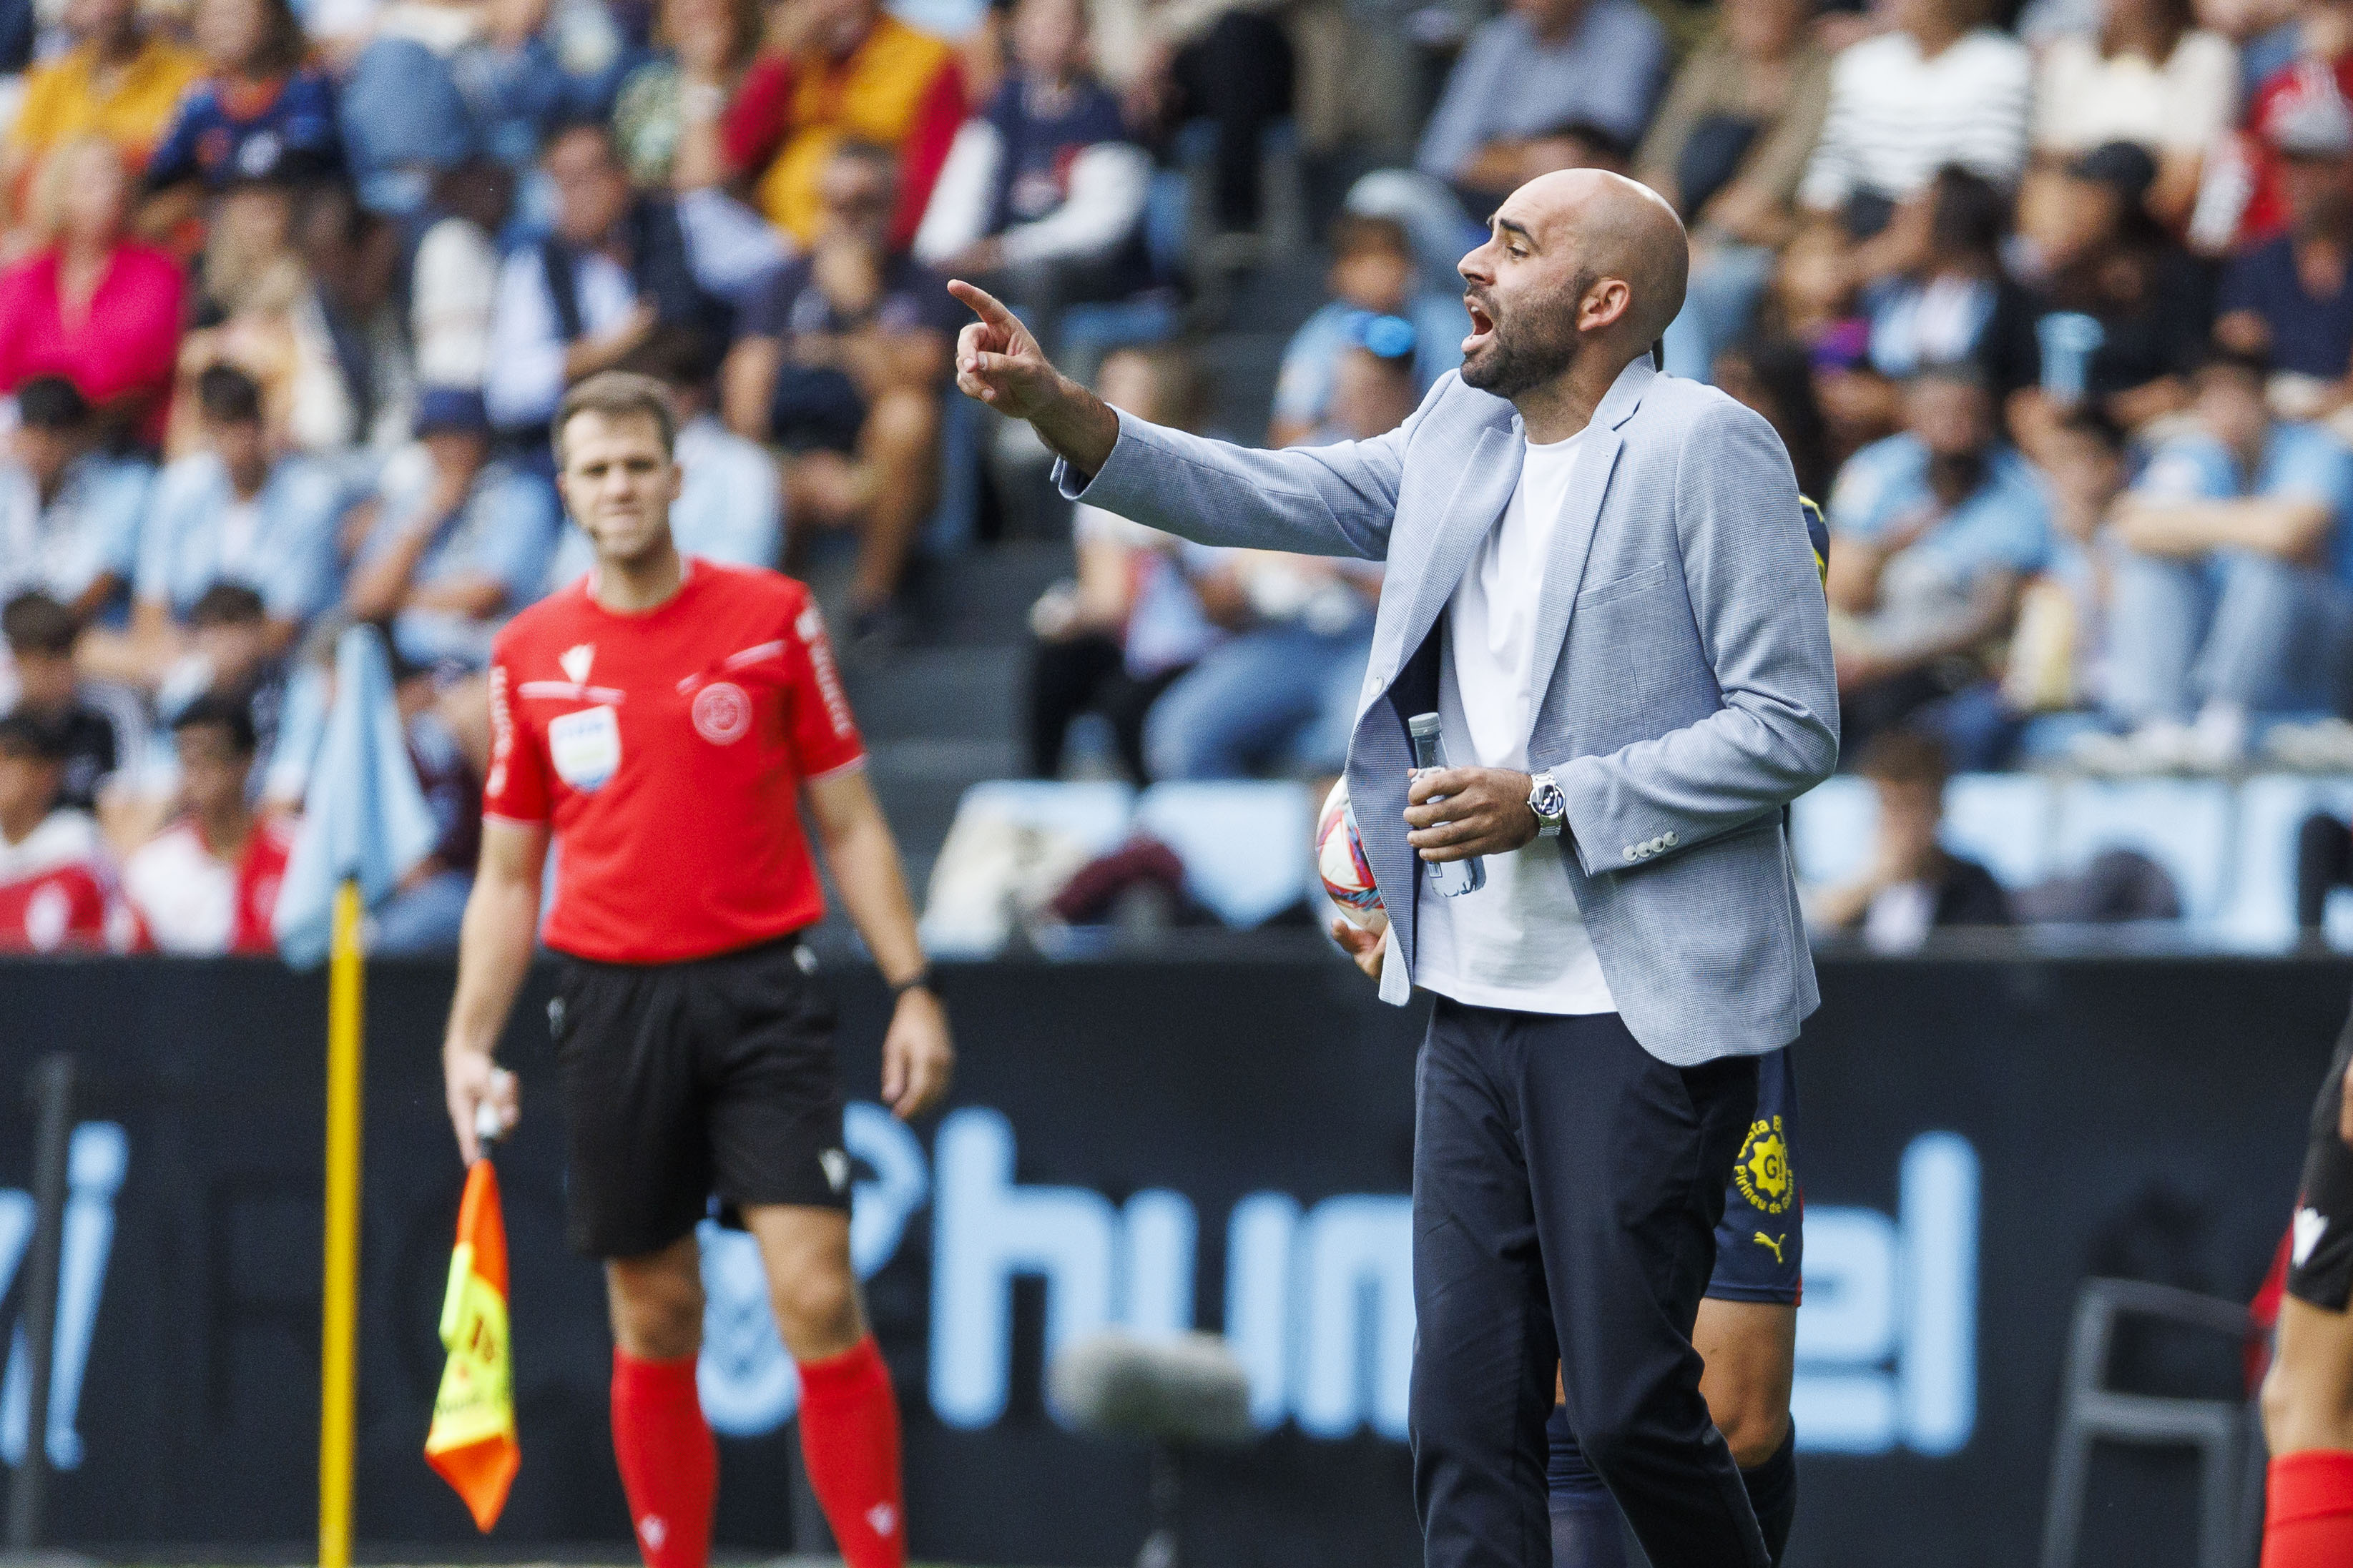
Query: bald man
[{"x": 1599, "y": 578}]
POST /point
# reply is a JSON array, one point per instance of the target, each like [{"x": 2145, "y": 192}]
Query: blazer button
[
  {"x": 1671, "y": 840},
  {"x": 1631, "y": 852}
]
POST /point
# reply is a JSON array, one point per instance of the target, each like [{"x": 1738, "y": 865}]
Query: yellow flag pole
[{"x": 338, "y": 1336}]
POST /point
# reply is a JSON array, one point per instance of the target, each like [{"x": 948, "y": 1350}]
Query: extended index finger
[{"x": 983, "y": 304}]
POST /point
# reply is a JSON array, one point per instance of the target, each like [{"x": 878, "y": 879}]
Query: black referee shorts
[
  {"x": 681, "y": 1080},
  {"x": 2320, "y": 1245}
]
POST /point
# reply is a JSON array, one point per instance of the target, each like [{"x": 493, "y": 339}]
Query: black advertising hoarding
[{"x": 1174, "y": 1145}]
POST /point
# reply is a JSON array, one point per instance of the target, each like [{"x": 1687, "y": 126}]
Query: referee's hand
[
  {"x": 473, "y": 1080},
  {"x": 917, "y": 1058},
  {"x": 1485, "y": 810}
]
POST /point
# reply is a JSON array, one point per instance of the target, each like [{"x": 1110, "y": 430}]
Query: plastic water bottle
[{"x": 1448, "y": 878}]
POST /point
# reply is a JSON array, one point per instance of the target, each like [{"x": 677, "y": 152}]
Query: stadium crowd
[{"x": 2055, "y": 311}]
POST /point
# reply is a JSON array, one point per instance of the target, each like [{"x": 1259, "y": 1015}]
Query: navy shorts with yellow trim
[{"x": 1760, "y": 1242}]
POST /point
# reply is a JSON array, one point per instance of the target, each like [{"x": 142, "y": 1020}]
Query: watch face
[{"x": 1550, "y": 801}]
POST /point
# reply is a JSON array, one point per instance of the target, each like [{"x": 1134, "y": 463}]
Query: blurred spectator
[
  {"x": 1373, "y": 381},
  {"x": 263, "y": 113},
  {"x": 730, "y": 504},
  {"x": 1934, "y": 532},
  {"x": 707, "y": 46},
  {"x": 424, "y": 913},
  {"x": 2121, "y": 313},
  {"x": 1372, "y": 272},
  {"x": 1041, "y": 199},
  {"x": 618, "y": 265},
  {"x": 2303, "y": 103},
  {"x": 1914, "y": 884},
  {"x": 122, "y": 80},
  {"x": 89, "y": 305},
  {"x": 100, "y": 728},
  {"x": 1936, "y": 90},
  {"x": 55, "y": 890},
  {"x": 1226, "y": 63},
  {"x": 841, "y": 363},
  {"x": 209, "y": 883},
  {"x": 2058, "y": 658},
  {"x": 453, "y": 287},
  {"x": 233, "y": 653},
  {"x": 837, "y": 70},
  {"x": 2149, "y": 76},
  {"x": 1950, "y": 300},
  {"x": 442, "y": 81},
  {"x": 457, "y": 543},
  {"x": 1728, "y": 148},
  {"x": 68, "y": 516},
  {"x": 1773, "y": 377},
  {"x": 359, "y": 402},
  {"x": 228, "y": 513},
  {"x": 1541, "y": 66},
  {"x": 2230, "y": 591},
  {"x": 2291, "y": 298},
  {"x": 1282, "y": 694},
  {"x": 1135, "y": 619}
]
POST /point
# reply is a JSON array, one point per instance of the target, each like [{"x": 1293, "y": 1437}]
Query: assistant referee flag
[{"x": 472, "y": 1442}]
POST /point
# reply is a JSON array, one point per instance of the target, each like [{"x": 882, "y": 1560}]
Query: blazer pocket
[{"x": 1633, "y": 582}]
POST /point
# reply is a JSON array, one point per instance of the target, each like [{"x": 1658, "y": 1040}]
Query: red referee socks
[
  {"x": 670, "y": 1464},
  {"x": 850, "y": 1441},
  {"x": 2308, "y": 1511}
]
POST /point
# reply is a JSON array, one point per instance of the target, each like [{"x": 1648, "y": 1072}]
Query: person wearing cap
[
  {"x": 2120, "y": 313},
  {"x": 228, "y": 513},
  {"x": 68, "y": 515},
  {"x": 2291, "y": 297},
  {"x": 2149, "y": 75},
  {"x": 1373, "y": 270},
  {"x": 458, "y": 542}
]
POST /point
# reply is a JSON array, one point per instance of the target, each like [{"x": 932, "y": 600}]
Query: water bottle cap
[{"x": 1421, "y": 726}]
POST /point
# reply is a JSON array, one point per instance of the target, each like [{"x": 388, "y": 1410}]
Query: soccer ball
[{"x": 1340, "y": 859}]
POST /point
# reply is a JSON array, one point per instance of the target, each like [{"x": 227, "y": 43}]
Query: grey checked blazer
[{"x": 1691, "y": 694}]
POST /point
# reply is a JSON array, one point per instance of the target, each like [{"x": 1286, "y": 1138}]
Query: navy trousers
[{"x": 1566, "y": 1187}]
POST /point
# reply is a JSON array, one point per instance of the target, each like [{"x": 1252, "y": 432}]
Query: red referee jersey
[{"x": 666, "y": 750}]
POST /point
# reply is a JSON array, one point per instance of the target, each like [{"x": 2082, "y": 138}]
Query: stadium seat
[
  {"x": 1010, "y": 838},
  {"x": 2183, "y": 825},
  {"x": 2260, "y": 912},
  {"x": 1830, "y": 830},
  {"x": 1242, "y": 843},
  {"x": 2003, "y": 821}
]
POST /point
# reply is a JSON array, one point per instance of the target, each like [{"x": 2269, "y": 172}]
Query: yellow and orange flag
[{"x": 472, "y": 1442}]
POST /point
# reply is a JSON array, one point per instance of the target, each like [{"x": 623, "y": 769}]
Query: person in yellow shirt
[
  {"x": 840, "y": 70},
  {"x": 119, "y": 81}
]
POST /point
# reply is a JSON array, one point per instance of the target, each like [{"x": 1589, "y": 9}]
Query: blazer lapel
[
  {"x": 1580, "y": 516},
  {"x": 1479, "y": 498}
]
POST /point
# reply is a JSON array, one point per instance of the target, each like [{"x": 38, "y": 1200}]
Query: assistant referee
[{"x": 662, "y": 718}]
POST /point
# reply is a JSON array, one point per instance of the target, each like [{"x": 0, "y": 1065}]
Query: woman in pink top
[{"x": 89, "y": 305}]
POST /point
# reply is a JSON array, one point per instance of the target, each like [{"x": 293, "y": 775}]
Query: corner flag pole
[{"x": 338, "y": 1332}]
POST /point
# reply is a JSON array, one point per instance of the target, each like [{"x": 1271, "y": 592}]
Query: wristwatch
[{"x": 1547, "y": 799}]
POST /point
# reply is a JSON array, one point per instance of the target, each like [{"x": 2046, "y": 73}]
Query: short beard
[{"x": 1524, "y": 357}]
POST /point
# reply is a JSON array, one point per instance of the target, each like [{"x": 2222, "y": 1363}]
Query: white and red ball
[{"x": 1340, "y": 860}]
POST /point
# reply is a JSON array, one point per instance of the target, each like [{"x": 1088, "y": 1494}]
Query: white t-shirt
[{"x": 1518, "y": 942}]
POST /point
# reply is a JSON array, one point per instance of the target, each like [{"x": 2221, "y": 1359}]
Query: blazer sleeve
[
  {"x": 1310, "y": 501},
  {"x": 1764, "y": 627}
]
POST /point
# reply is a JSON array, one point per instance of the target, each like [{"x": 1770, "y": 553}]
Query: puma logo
[
  {"x": 1773, "y": 1244},
  {"x": 883, "y": 1519}
]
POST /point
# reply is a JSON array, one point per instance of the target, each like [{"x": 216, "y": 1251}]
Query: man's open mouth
[{"x": 1483, "y": 325}]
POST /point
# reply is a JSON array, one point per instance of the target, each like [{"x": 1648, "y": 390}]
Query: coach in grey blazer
[{"x": 1679, "y": 694}]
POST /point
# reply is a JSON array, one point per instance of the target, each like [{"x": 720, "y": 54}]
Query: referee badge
[
  {"x": 586, "y": 747},
  {"x": 1762, "y": 1171}
]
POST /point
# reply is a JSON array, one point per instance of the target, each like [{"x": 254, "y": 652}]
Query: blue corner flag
[{"x": 363, "y": 816}]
